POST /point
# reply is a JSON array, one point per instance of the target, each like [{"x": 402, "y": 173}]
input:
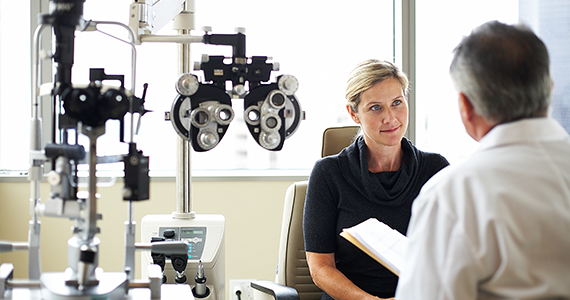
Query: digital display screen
[{"x": 191, "y": 231}]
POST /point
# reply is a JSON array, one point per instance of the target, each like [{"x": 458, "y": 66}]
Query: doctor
[{"x": 498, "y": 225}]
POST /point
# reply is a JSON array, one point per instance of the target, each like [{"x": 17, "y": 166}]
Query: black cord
[{"x": 238, "y": 293}]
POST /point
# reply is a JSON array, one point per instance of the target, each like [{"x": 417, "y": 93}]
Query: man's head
[{"x": 503, "y": 73}]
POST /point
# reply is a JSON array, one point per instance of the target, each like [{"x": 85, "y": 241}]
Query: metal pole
[
  {"x": 171, "y": 39},
  {"x": 36, "y": 168},
  {"x": 183, "y": 176},
  {"x": 91, "y": 229}
]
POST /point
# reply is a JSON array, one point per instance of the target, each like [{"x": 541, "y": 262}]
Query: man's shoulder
[{"x": 456, "y": 177}]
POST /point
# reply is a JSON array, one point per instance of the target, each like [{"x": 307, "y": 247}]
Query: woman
[{"x": 378, "y": 176}]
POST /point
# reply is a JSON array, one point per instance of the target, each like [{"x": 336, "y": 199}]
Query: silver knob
[{"x": 187, "y": 84}]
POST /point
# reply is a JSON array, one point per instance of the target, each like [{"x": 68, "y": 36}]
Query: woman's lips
[{"x": 390, "y": 130}]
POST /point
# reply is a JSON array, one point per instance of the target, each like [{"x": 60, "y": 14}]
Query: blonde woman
[{"x": 378, "y": 176}]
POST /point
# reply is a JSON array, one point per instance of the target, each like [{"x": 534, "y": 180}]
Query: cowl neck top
[{"x": 387, "y": 188}]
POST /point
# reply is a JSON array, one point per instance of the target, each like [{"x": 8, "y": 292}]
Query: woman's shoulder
[
  {"x": 433, "y": 160},
  {"x": 343, "y": 155},
  {"x": 430, "y": 158},
  {"x": 328, "y": 162},
  {"x": 338, "y": 166},
  {"x": 436, "y": 157}
]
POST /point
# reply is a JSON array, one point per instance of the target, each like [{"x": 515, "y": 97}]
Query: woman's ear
[{"x": 352, "y": 114}]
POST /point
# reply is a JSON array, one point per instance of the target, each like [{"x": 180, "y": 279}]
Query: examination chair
[{"x": 293, "y": 278}]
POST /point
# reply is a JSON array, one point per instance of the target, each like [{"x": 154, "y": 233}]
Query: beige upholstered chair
[
  {"x": 292, "y": 268},
  {"x": 337, "y": 138}
]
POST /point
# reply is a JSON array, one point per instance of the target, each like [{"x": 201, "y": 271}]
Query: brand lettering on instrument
[{"x": 64, "y": 6}]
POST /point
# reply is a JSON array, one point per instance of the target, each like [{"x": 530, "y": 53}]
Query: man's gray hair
[{"x": 504, "y": 72}]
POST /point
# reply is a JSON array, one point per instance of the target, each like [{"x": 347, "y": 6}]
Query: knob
[
  {"x": 169, "y": 233},
  {"x": 187, "y": 84}
]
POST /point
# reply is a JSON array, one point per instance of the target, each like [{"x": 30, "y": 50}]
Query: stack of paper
[{"x": 384, "y": 244}]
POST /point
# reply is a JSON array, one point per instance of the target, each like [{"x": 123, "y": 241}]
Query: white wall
[{"x": 253, "y": 212}]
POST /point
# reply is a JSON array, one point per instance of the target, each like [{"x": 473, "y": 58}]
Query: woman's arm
[{"x": 327, "y": 277}]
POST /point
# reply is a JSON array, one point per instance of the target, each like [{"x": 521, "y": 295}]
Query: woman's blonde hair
[{"x": 367, "y": 74}]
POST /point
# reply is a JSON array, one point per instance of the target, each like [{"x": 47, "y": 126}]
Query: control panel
[
  {"x": 194, "y": 236},
  {"x": 204, "y": 234}
]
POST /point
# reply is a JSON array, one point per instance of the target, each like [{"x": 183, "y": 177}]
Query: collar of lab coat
[{"x": 523, "y": 131}]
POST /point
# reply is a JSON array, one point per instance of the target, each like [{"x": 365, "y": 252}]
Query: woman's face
[{"x": 382, "y": 114}]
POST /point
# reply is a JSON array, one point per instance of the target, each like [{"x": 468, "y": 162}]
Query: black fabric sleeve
[{"x": 320, "y": 212}]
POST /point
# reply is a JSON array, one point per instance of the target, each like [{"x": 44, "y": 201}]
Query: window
[
  {"x": 551, "y": 20},
  {"x": 439, "y": 127},
  {"x": 440, "y": 25},
  {"x": 15, "y": 80},
  {"x": 318, "y": 42}
]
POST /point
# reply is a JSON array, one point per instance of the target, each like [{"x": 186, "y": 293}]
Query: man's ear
[
  {"x": 475, "y": 124},
  {"x": 352, "y": 114},
  {"x": 466, "y": 109}
]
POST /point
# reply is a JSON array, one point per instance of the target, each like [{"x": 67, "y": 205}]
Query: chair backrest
[
  {"x": 292, "y": 268},
  {"x": 337, "y": 138}
]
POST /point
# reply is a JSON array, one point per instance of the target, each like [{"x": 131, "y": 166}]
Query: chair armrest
[{"x": 278, "y": 291}]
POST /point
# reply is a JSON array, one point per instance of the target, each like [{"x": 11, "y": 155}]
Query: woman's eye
[
  {"x": 397, "y": 102},
  {"x": 375, "y": 107}
]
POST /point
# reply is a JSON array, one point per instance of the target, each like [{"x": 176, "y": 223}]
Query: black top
[{"x": 342, "y": 192}]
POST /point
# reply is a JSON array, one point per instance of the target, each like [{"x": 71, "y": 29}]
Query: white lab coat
[{"x": 498, "y": 225}]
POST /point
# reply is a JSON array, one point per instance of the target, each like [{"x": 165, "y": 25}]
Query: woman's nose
[{"x": 388, "y": 116}]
